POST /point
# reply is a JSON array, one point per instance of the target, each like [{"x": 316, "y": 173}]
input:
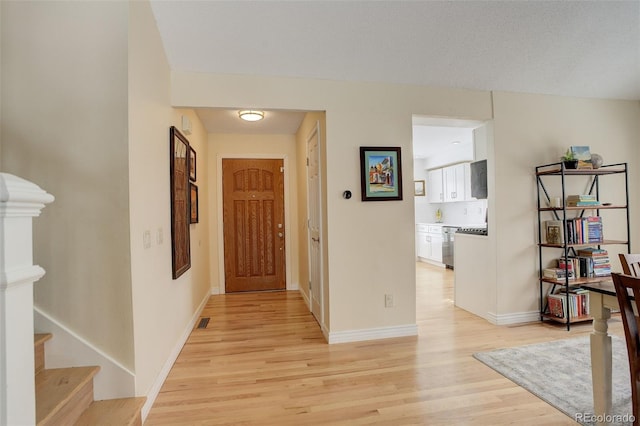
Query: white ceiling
[
  {"x": 430, "y": 140},
  {"x": 217, "y": 120},
  {"x": 567, "y": 48}
]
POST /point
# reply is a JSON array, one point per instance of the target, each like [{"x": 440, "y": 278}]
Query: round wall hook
[{"x": 346, "y": 194}]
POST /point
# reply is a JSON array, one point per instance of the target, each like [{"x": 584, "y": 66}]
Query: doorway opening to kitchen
[{"x": 446, "y": 152}]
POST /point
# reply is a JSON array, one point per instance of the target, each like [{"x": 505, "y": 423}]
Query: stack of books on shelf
[
  {"x": 584, "y": 200},
  {"x": 578, "y": 304},
  {"x": 571, "y": 265},
  {"x": 598, "y": 260},
  {"x": 557, "y": 273},
  {"x": 584, "y": 230}
]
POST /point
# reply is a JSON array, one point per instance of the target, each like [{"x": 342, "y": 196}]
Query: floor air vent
[{"x": 203, "y": 323}]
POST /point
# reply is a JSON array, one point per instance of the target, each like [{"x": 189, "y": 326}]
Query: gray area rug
[{"x": 559, "y": 373}]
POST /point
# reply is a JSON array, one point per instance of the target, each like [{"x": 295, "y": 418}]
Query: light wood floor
[{"x": 263, "y": 361}]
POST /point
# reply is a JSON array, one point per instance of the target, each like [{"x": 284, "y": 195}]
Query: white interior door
[{"x": 314, "y": 225}]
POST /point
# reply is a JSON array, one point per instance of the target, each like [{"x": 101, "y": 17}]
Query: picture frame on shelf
[
  {"x": 583, "y": 155},
  {"x": 179, "y": 181},
  {"x": 380, "y": 173},
  {"x": 418, "y": 189},
  {"x": 553, "y": 232},
  {"x": 193, "y": 203},
  {"x": 192, "y": 164}
]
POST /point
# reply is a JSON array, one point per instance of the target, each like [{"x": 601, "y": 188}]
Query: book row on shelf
[
  {"x": 588, "y": 262},
  {"x": 576, "y": 304},
  {"x": 581, "y": 230},
  {"x": 584, "y": 200}
]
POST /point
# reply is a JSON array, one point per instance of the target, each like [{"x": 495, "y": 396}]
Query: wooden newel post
[{"x": 20, "y": 202}]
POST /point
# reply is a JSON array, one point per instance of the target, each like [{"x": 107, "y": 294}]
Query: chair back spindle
[{"x": 630, "y": 263}]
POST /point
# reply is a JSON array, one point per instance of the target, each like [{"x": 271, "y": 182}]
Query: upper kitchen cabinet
[
  {"x": 435, "y": 186},
  {"x": 457, "y": 182},
  {"x": 449, "y": 184}
]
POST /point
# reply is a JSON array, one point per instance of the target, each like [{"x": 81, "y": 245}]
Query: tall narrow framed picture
[
  {"x": 380, "y": 173},
  {"x": 180, "y": 208},
  {"x": 192, "y": 164},
  {"x": 193, "y": 201}
]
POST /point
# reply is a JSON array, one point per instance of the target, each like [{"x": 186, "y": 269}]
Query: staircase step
[
  {"x": 62, "y": 394},
  {"x": 121, "y": 412},
  {"x": 38, "y": 347}
]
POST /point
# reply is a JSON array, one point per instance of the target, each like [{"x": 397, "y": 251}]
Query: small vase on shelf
[{"x": 596, "y": 161}]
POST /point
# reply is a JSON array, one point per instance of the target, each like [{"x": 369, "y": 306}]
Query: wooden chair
[
  {"x": 630, "y": 263},
  {"x": 631, "y": 321}
]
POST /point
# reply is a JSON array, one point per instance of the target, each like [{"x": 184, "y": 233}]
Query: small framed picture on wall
[
  {"x": 194, "y": 204},
  {"x": 192, "y": 164}
]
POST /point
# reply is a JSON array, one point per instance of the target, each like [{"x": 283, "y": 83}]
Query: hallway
[{"x": 262, "y": 360}]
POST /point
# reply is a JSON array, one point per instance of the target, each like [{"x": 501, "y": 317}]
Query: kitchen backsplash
[{"x": 462, "y": 213}]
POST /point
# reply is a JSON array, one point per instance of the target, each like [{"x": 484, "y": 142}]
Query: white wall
[
  {"x": 164, "y": 310},
  {"x": 87, "y": 117},
  {"x": 364, "y": 261},
  {"x": 425, "y": 212},
  {"x": 1, "y": 27},
  {"x": 532, "y": 130},
  {"x": 464, "y": 213},
  {"x": 367, "y": 242},
  {"x": 65, "y": 127}
]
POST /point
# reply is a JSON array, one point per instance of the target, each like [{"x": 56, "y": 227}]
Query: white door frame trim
[
  {"x": 315, "y": 132},
  {"x": 287, "y": 225}
]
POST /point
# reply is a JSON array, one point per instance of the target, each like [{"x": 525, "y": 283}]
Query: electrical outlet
[
  {"x": 146, "y": 239},
  {"x": 388, "y": 300}
]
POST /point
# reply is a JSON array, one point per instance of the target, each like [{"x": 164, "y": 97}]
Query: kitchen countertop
[{"x": 456, "y": 225}]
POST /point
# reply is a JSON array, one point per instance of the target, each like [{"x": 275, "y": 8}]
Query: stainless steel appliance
[
  {"x": 473, "y": 231},
  {"x": 448, "y": 233}
]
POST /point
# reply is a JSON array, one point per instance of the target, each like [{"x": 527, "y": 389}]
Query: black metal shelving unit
[{"x": 564, "y": 213}]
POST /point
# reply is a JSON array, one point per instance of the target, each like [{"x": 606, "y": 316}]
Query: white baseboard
[
  {"x": 215, "y": 290},
  {"x": 307, "y": 302},
  {"x": 325, "y": 332},
  {"x": 68, "y": 349},
  {"x": 513, "y": 318},
  {"x": 305, "y": 297},
  {"x": 372, "y": 333},
  {"x": 166, "y": 368}
]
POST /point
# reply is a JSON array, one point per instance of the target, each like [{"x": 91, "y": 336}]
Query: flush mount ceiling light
[{"x": 251, "y": 115}]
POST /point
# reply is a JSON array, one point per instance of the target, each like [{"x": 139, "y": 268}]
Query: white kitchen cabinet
[
  {"x": 429, "y": 242},
  {"x": 457, "y": 182},
  {"x": 436, "y": 247},
  {"x": 423, "y": 245},
  {"x": 435, "y": 187},
  {"x": 454, "y": 183}
]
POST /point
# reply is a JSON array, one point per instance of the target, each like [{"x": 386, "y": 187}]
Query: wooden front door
[{"x": 253, "y": 221}]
